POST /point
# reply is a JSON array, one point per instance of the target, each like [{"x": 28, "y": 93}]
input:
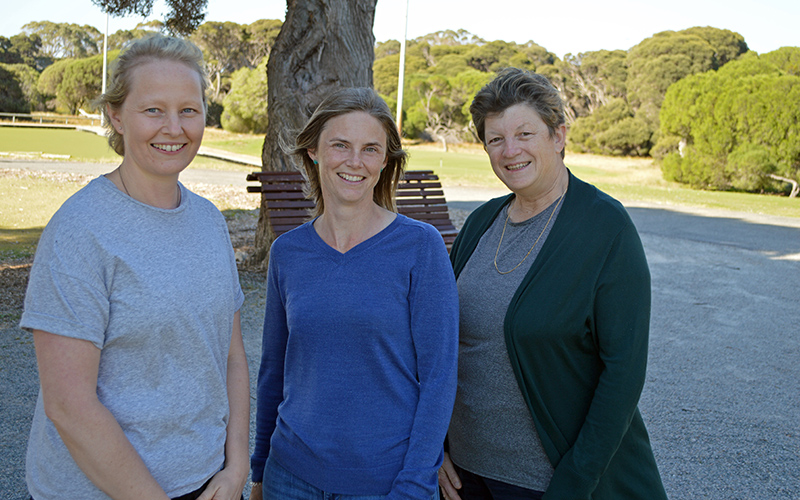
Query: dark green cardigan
[{"x": 576, "y": 332}]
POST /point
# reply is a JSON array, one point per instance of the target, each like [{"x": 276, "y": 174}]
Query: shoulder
[
  {"x": 586, "y": 205},
  {"x": 415, "y": 229},
  {"x": 293, "y": 241}
]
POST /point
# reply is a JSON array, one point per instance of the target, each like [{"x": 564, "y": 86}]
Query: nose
[
  {"x": 172, "y": 124},
  {"x": 510, "y": 148}
]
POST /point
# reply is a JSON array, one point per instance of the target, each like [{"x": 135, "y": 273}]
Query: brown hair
[
  {"x": 152, "y": 48},
  {"x": 341, "y": 102},
  {"x": 516, "y": 86}
]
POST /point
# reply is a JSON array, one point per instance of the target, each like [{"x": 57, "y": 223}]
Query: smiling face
[
  {"x": 522, "y": 152},
  {"x": 162, "y": 118},
  {"x": 351, "y": 154}
]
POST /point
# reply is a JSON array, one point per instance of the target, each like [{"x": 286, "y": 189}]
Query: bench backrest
[{"x": 419, "y": 196}]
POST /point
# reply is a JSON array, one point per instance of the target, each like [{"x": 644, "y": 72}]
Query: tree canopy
[{"x": 735, "y": 128}]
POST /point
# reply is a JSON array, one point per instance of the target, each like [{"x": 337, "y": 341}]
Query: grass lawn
[
  {"x": 26, "y": 204},
  {"x": 73, "y": 145}
]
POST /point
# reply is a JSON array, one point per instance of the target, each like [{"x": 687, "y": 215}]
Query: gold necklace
[{"x": 508, "y": 214}]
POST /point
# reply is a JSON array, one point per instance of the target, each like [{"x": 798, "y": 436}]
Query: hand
[
  {"x": 225, "y": 485},
  {"x": 449, "y": 481},
  {"x": 256, "y": 492}
]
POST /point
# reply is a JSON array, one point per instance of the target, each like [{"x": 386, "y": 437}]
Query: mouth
[
  {"x": 169, "y": 148},
  {"x": 517, "y": 166},
  {"x": 351, "y": 177}
]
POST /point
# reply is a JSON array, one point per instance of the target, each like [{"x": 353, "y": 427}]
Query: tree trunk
[
  {"x": 322, "y": 45},
  {"x": 795, "y": 185}
]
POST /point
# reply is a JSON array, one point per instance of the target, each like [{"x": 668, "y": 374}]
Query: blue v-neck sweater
[{"x": 358, "y": 368}]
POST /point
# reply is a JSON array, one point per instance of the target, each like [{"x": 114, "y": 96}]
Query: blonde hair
[
  {"x": 341, "y": 102},
  {"x": 152, "y": 48}
]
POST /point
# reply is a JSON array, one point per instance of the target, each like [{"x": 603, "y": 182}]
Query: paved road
[{"x": 721, "y": 400}]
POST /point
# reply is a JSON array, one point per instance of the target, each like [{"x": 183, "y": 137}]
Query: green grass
[
  {"x": 76, "y": 144},
  {"x": 26, "y": 204},
  {"x": 246, "y": 144}
]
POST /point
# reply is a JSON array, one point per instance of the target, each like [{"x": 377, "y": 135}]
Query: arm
[
  {"x": 622, "y": 320},
  {"x": 270, "y": 374},
  {"x": 434, "y": 328},
  {"x": 68, "y": 370},
  {"x": 229, "y": 482}
]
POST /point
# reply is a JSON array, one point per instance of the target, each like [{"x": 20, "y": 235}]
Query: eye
[
  {"x": 371, "y": 149},
  {"x": 188, "y": 111},
  {"x": 151, "y": 111},
  {"x": 493, "y": 140}
]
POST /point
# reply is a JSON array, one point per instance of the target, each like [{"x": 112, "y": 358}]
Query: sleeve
[
  {"x": 66, "y": 291},
  {"x": 270, "y": 374},
  {"x": 622, "y": 323},
  {"x": 433, "y": 302}
]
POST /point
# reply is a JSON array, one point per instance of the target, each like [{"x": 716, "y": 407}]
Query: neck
[
  {"x": 159, "y": 193},
  {"x": 345, "y": 227},
  {"x": 526, "y": 206}
]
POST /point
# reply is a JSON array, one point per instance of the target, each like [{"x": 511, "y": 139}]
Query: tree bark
[
  {"x": 322, "y": 45},
  {"x": 795, "y": 185}
]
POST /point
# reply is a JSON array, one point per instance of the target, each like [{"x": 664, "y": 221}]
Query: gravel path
[{"x": 721, "y": 398}]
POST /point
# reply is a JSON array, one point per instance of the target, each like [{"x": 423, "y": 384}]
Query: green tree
[
  {"x": 12, "y": 95},
  {"x": 48, "y": 84},
  {"x": 121, "y": 38},
  {"x": 259, "y": 39},
  {"x": 59, "y": 40},
  {"x": 245, "y": 106},
  {"x": 222, "y": 44},
  {"x": 183, "y": 17},
  {"x": 738, "y": 127},
  {"x": 27, "y": 79},
  {"x": 81, "y": 82}
]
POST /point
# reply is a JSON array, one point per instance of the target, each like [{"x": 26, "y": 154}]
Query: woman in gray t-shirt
[{"x": 133, "y": 302}]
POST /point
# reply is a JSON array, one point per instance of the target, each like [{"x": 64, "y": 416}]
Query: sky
[{"x": 569, "y": 26}]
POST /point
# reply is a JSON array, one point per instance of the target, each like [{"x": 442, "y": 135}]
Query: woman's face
[
  {"x": 162, "y": 119},
  {"x": 522, "y": 153},
  {"x": 351, "y": 154}
]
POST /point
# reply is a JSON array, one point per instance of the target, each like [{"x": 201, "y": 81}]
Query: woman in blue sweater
[{"x": 358, "y": 368}]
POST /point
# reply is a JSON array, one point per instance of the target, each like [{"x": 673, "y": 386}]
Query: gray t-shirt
[
  {"x": 492, "y": 433},
  {"x": 156, "y": 290}
]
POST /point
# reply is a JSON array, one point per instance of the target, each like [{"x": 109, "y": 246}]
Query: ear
[
  {"x": 116, "y": 119},
  {"x": 560, "y": 137},
  {"x": 312, "y": 153}
]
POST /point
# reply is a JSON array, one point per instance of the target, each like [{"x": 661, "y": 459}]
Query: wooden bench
[{"x": 419, "y": 196}]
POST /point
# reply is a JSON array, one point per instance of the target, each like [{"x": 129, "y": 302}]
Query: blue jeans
[
  {"x": 280, "y": 484},
  {"x": 475, "y": 487}
]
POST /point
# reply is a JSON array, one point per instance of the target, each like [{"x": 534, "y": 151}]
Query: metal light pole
[{"x": 401, "y": 77}]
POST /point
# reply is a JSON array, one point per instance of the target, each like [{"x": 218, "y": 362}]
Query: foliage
[
  {"x": 121, "y": 38},
  {"x": 49, "y": 81},
  {"x": 612, "y": 129},
  {"x": 259, "y": 39},
  {"x": 183, "y": 17},
  {"x": 23, "y": 49},
  {"x": 79, "y": 81},
  {"x": 245, "y": 106},
  {"x": 738, "y": 126},
  {"x": 19, "y": 83},
  {"x": 12, "y": 97},
  {"x": 59, "y": 40}
]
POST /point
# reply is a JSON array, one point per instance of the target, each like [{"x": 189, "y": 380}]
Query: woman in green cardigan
[{"x": 554, "y": 292}]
